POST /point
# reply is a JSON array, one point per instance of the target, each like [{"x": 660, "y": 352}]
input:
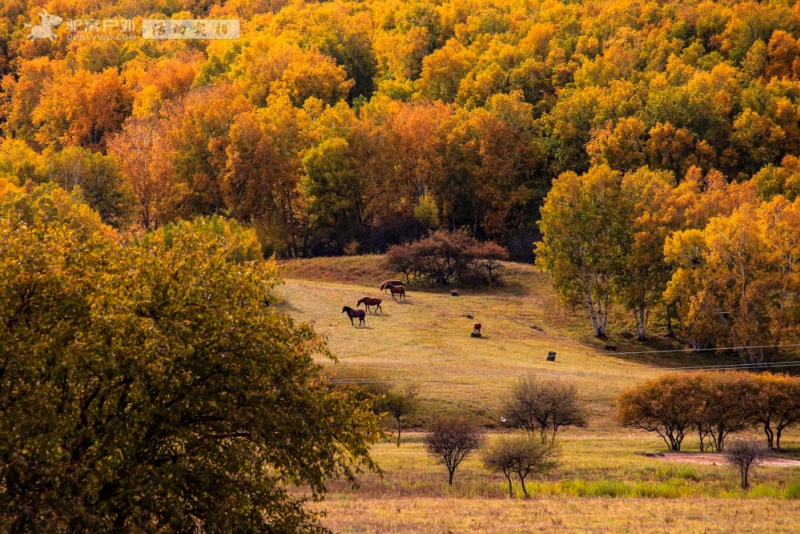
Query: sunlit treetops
[{"x": 327, "y": 123}]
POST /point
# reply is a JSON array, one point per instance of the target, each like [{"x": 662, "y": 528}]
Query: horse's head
[
  {"x": 346, "y": 308},
  {"x": 383, "y": 286}
]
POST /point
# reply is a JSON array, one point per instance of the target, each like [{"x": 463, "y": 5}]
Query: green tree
[
  {"x": 584, "y": 229},
  {"x": 641, "y": 283},
  {"x": 98, "y": 176},
  {"x": 147, "y": 386},
  {"x": 520, "y": 455},
  {"x": 399, "y": 403}
]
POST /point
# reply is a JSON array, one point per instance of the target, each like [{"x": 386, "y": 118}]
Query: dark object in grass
[
  {"x": 551, "y": 356},
  {"x": 468, "y": 316},
  {"x": 611, "y": 347},
  {"x": 454, "y": 293}
]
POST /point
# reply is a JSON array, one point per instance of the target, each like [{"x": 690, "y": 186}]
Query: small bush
[
  {"x": 689, "y": 473},
  {"x": 743, "y": 455},
  {"x": 608, "y": 488},
  {"x": 659, "y": 491},
  {"x": 792, "y": 490},
  {"x": 764, "y": 491},
  {"x": 684, "y": 472},
  {"x": 520, "y": 455},
  {"x": 451, "y": 440}
]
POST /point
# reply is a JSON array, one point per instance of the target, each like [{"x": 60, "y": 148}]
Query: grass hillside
[
  {"x": 426, "y": 341},
  {"x": 426, "y": 338}
]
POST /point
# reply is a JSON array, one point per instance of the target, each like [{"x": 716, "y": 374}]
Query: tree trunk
[
  {"x": 778, "y": 432},
  {"x": 524, "y": 489},
  {"x": 770, "y": 435},
  {"x": 670, "y": 331},
  {"x": 450, "y": 480},
  {"x": 510, "y": 486},
  {"x": 399, "y": 428},
  {"x": 595, "y": 312},
  {"x": 640, "y": 315}
]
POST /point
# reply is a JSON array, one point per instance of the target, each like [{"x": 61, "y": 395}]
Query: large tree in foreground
[{"x": 146, "y": 386}]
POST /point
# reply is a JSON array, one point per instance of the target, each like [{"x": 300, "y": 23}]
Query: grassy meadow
[{"x": 608, "y": 478}]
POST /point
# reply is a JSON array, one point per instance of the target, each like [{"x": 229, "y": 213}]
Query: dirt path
[{"x": 718, "y": 459}]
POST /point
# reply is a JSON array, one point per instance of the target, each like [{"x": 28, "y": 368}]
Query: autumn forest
[{"x": 338, "y": 127}]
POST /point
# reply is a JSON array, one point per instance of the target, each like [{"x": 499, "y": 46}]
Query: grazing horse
[
  {"x": 370, "y": 301},
  {"x": 477, "y": 327},
  {"x": 389, "y": 283},
  {"x": 398, "y": 290},
  {"x": 351, "y": 313}
]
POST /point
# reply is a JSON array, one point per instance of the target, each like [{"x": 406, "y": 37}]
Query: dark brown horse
[
  {"x": 370, "y": 301},
  {"x": 351, "y": 313},
  {"x": 388, "y": 283},
  {"x": 398, "y": 290}
]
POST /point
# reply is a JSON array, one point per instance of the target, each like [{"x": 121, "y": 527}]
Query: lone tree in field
[
  {"x": 451, "y": 440},
  {"x": 520, "y": 455},
  {"x": 539, "y": 405},
  {"x": 743, "y": 454},
  {"x": 399, "y": 403}
]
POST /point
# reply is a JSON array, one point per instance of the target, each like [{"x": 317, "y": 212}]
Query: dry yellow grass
[{"x": 431, "y": 515}]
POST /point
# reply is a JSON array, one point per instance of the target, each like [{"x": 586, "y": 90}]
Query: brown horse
[
  {"x": 370, "y": 301},
  {"x": 351, "y": 313},
  {"x": 389, "y": 283},
  {"x": 398, "y": 290}
]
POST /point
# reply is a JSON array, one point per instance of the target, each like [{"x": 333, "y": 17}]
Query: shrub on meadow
[{"x": 444, "y": 256}]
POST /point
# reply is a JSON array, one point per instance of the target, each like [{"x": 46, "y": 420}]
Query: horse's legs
[
  {"x": 351, "y": 321},
  {"x": 380, "y": 308}
]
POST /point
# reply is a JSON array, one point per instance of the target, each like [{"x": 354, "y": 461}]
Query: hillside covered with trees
[{"x": 335, "y": 127}]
